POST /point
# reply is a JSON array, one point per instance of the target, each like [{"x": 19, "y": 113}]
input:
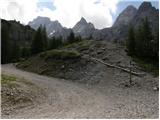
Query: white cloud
[{"x": 67, "y": 12}]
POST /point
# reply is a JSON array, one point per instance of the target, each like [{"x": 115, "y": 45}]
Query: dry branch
[{"x": 110, "y": 65}]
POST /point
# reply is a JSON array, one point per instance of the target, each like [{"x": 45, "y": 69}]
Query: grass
[
  {"x": 150, "y": 67},
  {"x": 8, "y": 80},
  {"x": 25, "y": 64},
  {"x": 81, "y": 45},
  {"x": 60, "y": 54}
]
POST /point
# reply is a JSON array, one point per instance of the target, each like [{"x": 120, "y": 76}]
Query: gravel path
[{"x": 66, "y": 99}]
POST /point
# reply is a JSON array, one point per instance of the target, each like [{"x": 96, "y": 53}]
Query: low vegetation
[
  {"x": 149, "y": 67},
  {"x": 60, "y": 54},
  {"x": 80, "y": 46},
  {"x": 8, "y": 80}
]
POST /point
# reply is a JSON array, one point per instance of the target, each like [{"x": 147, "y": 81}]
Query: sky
[{"x": 102, "y": 13}]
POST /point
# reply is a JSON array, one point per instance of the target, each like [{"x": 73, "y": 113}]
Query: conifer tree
[
  {"x": 5, "y": 45},
  {"x": 131, "y": 41},
  {"x": 37, "y": 43}
]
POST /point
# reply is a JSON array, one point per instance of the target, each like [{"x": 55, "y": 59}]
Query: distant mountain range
[
  {"x": 85, "y": 29},
  {"x": 117, "y": 32}
]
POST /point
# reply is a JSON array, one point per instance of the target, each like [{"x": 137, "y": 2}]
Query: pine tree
[
  {"x": 71, "y": 38},
  {"x": 44, "y": 38},
  {"x": 25, "y": 52},
  {"x": 139, "y": 39},
  {"x": 131, "y": 41},
  {"x": 16, "y": 53},
  {"x": 147, "y": 38},
  {"x": 55, "y": 42},
  {"x": 5, "y": 45},
  {"x": 38, "y": 44}
]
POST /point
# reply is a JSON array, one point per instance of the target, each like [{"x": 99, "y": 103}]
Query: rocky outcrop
[
  {"x": 146, "y": 10},
  {"x": 51, "y": 26},
  {"x": 83, "y": 28},
  {"x": 125, "y": 17}
]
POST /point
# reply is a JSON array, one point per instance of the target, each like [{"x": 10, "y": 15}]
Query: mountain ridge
[{"x": 130, "y": 15}]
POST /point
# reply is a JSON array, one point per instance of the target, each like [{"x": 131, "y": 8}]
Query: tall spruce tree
[
  {"x": 131, "y": 41},
  {"x": 148, "y": 38},
  {"x": 71, "y": 38},
  {"x": 44, "y": 38},
  {"x": 40, "y": 41},
  {"x": 5, "y": 45}
]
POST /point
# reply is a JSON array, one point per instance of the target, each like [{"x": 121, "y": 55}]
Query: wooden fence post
[{"x": 130, "y": 78}]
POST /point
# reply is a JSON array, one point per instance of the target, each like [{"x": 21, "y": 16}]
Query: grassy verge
[
  {"x": 60, "y": 54},
  {"x": 149, "y": 67},
  {"x": 80, "y": 46},
  {"x": 8, "y": 80}
]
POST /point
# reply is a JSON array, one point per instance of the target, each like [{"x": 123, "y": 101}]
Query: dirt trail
[{"x": 66, "y": 99}]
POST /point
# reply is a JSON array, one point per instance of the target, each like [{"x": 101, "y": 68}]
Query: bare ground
[{"x": 109, "y": 98}]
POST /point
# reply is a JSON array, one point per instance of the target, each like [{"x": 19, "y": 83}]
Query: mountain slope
[
  {"x": 51, "y": 26},
  {"x": 83, "y": 28},
  {"x": 126, "y": 16},
  {"x": 130, "y": 15},
  {"x": 147, "y": 10},
  {"x": 117, "y": 32}
]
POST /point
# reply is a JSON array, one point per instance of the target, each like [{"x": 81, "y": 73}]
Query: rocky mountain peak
[
  {"x": 83, "y": 20},
  {"x": 126, "y": 16},
  {"x": 145, "y": 5},
  {"x": 83, "y": 28},
  {"x": 51, "y": 26},
  {"x": 146, "y": 10},
  {"x": 131, "y": 8}
]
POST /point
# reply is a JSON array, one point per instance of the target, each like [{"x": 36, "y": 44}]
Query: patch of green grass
[
  {"x": 24, "y": 64},
  {"x": 81, "y": 45},
  {"x": 150, "y": 67},
  {"x": 61, "y": 54},
  {"x": 8, "y": 80}
]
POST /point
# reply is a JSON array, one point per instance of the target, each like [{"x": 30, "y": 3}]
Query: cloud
[
  {"x": 21, "y": 10},
  {"x": 67, "y": 12}
]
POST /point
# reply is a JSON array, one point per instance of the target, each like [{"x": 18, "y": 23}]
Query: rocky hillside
[{"x": 73, "y": 61}]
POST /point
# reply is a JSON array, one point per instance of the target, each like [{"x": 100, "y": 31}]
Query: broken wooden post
[{"x": 130, "y": 74}]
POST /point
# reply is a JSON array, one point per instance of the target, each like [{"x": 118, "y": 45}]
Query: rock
[
  {"x": 99, "y": 52},
  {"x": 105, "y": 58},
  {"x": 62, "y": 67},
  {"x": 84, "y": 29},
  {"x": 156, "y": 88}
]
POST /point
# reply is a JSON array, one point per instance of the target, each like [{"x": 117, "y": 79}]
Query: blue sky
[{"x": 102, "y": 13}]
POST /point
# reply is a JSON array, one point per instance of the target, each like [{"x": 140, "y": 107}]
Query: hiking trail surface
[{"x": 110, "y": 98}]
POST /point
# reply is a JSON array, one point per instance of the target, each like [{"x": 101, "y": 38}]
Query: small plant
[
  {"x": 62, "y": 54},
  {"x": 8, "y": 80}
]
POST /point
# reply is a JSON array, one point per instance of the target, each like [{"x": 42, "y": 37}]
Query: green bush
[{"x": 61, "y": 54}]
